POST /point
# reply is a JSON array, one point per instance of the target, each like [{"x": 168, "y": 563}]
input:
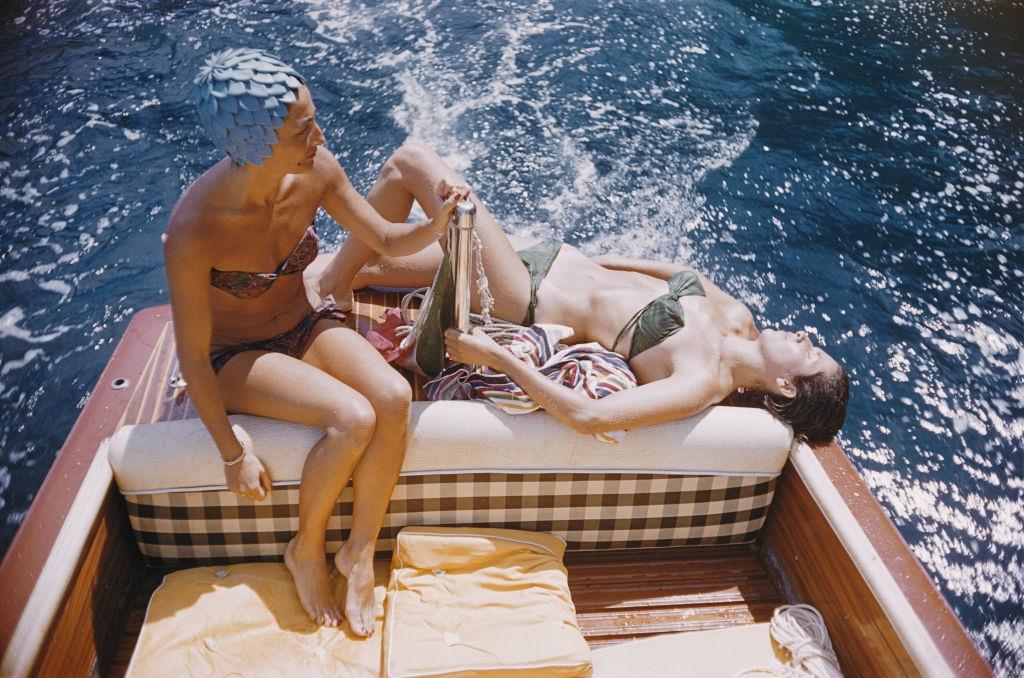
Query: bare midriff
[
  {"x": 597, "y": 302},
  {"x": 240, "y": 321}
]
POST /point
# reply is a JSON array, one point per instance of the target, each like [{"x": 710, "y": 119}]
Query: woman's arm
[
  {"x": 656, "y": 269},
  {"x": 660, "y": 401},
  {"x": 342, "y": 201},
  {"x": 188, "y": 276}
]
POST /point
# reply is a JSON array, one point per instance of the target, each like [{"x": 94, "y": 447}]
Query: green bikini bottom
[
  {"x": 663, "y": 317},
  {"x": 537, "y": 259}
]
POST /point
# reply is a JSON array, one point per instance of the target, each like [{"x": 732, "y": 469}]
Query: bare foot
[
  {"x": 360, "y": 603},
  {"x": 313, "y": 583}
]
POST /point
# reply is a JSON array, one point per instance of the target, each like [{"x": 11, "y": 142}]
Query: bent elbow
[{"x": 586, "y": 422}]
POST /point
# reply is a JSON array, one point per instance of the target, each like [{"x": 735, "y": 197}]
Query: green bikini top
[{"x": 663, "y": 317}]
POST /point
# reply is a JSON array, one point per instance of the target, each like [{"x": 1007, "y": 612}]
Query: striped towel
[{"x": 585, "y": 368}]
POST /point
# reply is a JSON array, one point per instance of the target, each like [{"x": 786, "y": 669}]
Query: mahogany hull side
[{"x": 804, "y": 555}]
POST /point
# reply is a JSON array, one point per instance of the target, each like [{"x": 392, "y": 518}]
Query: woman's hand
[
  {"x": 313, "y": 286},
  {"x": 248, "y": 478},
  {"x": 475, "y": 348},
  {"x": 449, "y": 192},
  {"x": 450, "y": 185}
]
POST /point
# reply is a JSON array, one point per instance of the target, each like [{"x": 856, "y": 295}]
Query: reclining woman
[
  {"x": 689, "y": 343},
  {"x": 248, "y": 339}
]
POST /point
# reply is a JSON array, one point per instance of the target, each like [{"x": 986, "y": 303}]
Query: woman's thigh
[
  {"x": 509, "y": 280},
  {"x": 276, "y": 385},
  {"x": 416, "y": 270},
  {"x": 345, "y": 355}
]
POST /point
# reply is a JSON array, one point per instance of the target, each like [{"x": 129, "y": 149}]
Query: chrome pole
[{"x": 460, "y": 244}]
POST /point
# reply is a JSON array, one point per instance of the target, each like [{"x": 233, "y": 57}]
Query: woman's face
[
  {"x": 792, "y": 354},
  {"x": 298, "y": 138}
]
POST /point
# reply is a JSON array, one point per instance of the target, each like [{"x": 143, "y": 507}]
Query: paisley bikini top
[{"x": 246, "y": 285}]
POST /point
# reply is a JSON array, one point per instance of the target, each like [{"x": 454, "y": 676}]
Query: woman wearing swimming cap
[
  {"x": 250, "y": 341},
  {"x": 689, "y": 343}
]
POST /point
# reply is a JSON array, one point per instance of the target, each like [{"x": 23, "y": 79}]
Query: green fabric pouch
[{"x": 439, "y": 315}]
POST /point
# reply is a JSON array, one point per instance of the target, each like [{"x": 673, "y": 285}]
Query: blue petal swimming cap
[{"x": 241, "y": 97}]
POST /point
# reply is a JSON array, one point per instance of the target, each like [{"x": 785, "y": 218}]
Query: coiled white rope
[
  {"x": 801, "y": 630},
  {"x": 483, "y": 288}
]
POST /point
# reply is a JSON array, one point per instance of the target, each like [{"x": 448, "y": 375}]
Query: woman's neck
[
  {"x": 254, "y": 186},
  {"x": 746, "y": 363}
]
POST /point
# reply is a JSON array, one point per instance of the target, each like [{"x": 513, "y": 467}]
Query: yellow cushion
[
  {"x": 246, "y": 620},
  {"x": 481, "y": 602}
]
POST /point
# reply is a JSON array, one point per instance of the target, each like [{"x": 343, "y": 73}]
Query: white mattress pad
[{"x": 461, "y": 437}]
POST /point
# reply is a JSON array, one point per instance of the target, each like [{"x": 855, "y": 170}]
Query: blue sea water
[{"x": 853, "y": 168}]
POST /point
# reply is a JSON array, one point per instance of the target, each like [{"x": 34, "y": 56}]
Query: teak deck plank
[{"x": 623, "y": 596}]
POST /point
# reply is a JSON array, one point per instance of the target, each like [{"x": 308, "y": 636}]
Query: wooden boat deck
[{"x": 619, "y": 596}]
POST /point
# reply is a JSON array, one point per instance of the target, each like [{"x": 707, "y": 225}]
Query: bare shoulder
[
  {"x": 195, "y": 218},
  {"x": 326, "y": 167}
]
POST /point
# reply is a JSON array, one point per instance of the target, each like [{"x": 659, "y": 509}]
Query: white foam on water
[
  {"x": 444, "y": 93},
  {"x": 58, "y": 286},
  {"x": 29, "y": 356},
  {"x": 9, "y": 328}
]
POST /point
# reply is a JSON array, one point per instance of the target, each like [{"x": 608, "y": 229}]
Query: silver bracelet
[
  {"x": 237, "y": 459},
  {"x": 244, "y": 441}
]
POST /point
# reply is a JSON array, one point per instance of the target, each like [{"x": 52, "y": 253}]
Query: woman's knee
[
  {"x": 417, "y": 159},
  {"x": 392, "y": 397},
  {"x": 410, "y": 153},
  {"x": 352, "y": 420}
]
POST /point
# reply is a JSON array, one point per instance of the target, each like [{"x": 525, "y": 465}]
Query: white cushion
[
  {"x": 715, "y": 653},
  {"x": 450, "y": 436}
]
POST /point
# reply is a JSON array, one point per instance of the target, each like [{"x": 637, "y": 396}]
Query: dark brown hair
[{"x": 816, "y": 412}]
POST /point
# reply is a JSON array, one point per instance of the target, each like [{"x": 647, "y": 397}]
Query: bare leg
[
  {"x": 361, "y": 367},
  {"x": 412, "y": 173},
  {"x": 282, "y": 387},
  {"x": 393, "y": 202}
]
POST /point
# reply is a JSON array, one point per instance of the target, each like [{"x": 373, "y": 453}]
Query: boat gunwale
[{"x": 26, "y": 557}]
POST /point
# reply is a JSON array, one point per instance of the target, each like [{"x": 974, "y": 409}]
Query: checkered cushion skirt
[{"x": 590, "y": 511}]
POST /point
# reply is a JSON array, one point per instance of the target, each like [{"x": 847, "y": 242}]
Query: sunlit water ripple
[{"x": 852, "y": 168}]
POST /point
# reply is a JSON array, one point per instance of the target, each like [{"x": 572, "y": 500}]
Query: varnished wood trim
[
  {"x": 32, "y": 545},
  {"x": 811, "y": 564},
  {"x": 92, "y": 615},
  {"x": 927, "y": 602}
]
